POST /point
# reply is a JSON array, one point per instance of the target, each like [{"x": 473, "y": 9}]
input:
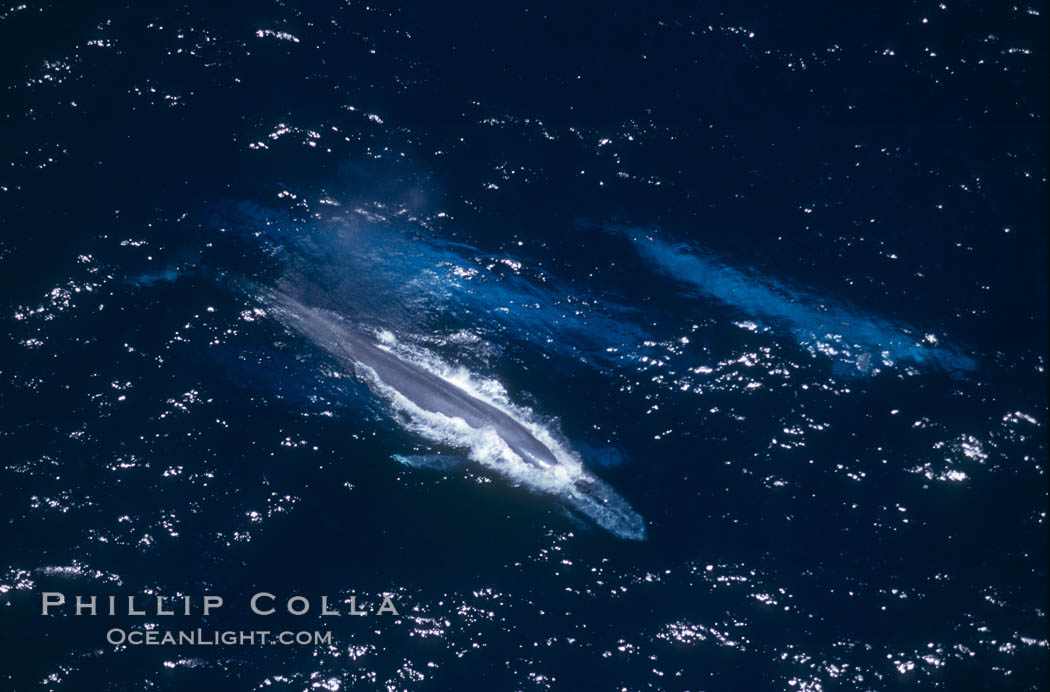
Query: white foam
[
  {"x": 483, "y": 445},
  {"x": 490, "y": 391},
  {"x": 566, "y": 480}
]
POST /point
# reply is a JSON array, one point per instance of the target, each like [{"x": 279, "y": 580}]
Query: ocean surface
[{"x": 770, "y": 281}]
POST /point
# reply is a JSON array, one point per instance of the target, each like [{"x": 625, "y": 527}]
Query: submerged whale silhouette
[
  {"x": 419, "y": 393},
  {"x": 857, "y": 341}
]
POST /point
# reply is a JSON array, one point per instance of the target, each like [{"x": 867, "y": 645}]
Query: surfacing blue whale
[{"x": 497, "y": 435}]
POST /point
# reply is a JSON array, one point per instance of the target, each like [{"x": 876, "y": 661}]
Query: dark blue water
[{"x": 775, "y": 274}]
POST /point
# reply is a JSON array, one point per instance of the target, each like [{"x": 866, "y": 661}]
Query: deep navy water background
[{"x": 475, "y": 180}]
